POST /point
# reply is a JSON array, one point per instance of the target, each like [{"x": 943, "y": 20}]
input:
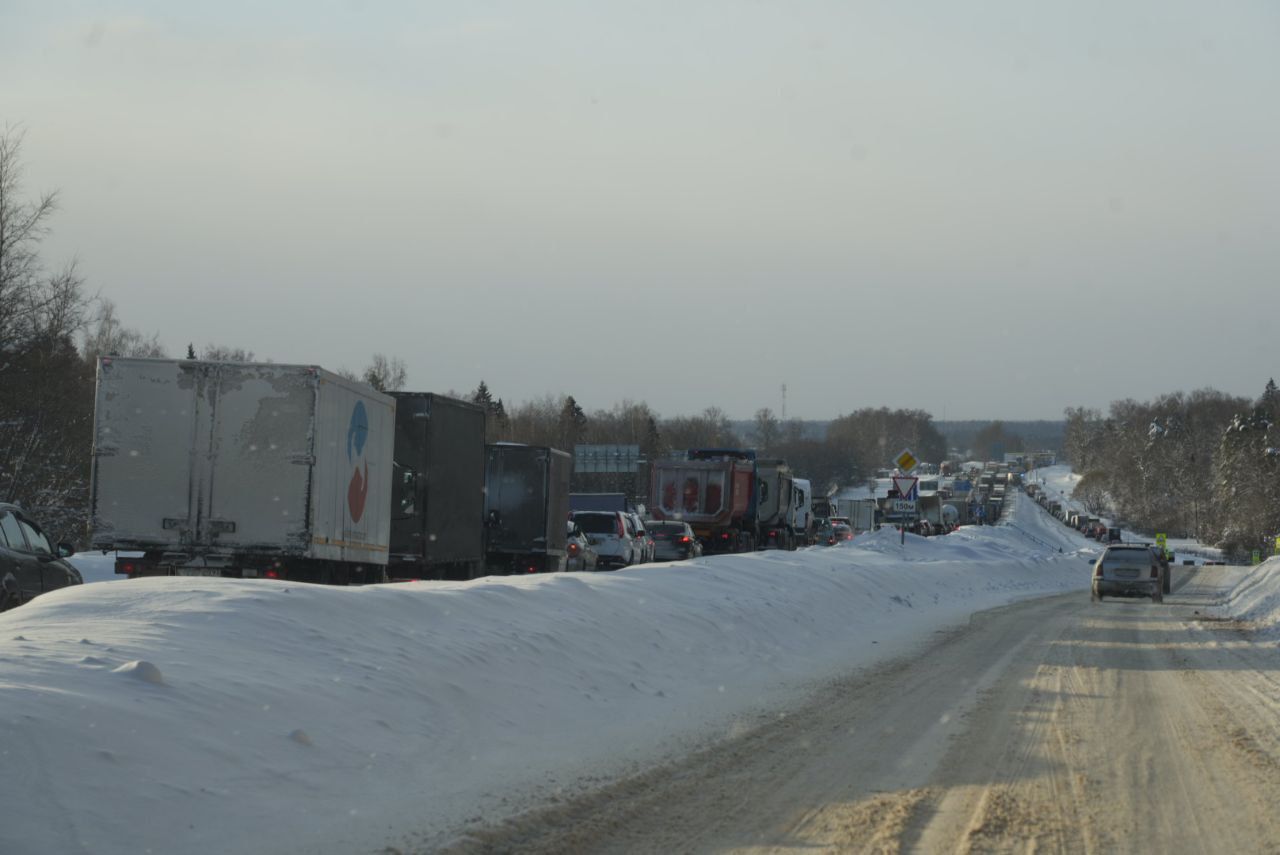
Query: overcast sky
[{"x": 983, "y": 210}]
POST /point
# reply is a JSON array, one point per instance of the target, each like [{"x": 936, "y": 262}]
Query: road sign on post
[
  {"x": 1257, "y": 556},
  {"x": 906, "y": 460},
  {"x": 1161, "y": 540},
  {"x": 908, "y": 488},
  {"x": 1278, "y": 546}
]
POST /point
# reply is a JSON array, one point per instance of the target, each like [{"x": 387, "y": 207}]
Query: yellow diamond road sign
[{"x": 905, "y": 460}]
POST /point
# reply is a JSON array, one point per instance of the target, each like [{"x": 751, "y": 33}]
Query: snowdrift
[
  {"x": 204, "y": 715},
  {"x": 1257, "y": 600}
]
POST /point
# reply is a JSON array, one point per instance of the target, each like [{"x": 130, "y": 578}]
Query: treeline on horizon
[{"x": 1203, "y": 465}]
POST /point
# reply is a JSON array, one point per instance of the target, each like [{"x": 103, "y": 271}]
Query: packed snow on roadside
[
  {"x": 1256, "y": 600},
  {"x": 213, "y": 715}
]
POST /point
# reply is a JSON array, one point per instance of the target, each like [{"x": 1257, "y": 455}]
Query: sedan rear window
[{"x": 597, "y": 523}]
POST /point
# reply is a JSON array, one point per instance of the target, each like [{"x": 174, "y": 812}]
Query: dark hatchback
[
  {"x": 673, "y": 541},
  {"x": 29, "y": 565}
]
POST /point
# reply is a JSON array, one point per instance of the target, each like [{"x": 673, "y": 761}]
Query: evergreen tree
[
  {"x": 573, "y": 423},
  {"x": 191, "y": 350}
]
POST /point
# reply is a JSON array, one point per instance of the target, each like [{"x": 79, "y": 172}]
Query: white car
[
  {"x": 648, "y": 546},
  {"x": 610, "y": 533}
]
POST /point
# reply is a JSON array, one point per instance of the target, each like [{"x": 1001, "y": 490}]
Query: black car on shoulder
[{"x": 29, "y": 564}]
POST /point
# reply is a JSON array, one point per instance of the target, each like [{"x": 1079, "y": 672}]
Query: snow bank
[
  {"x": 203, "y": 715},
  {"x": 1257, "y": 599}
]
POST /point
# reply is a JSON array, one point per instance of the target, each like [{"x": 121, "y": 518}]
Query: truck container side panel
[
  {"x": 351, "y": 477},
  {"x": 515, "y": 485},
  {"x": 454, "y": 470},
  {"x": 144, "y": 426},
  {"x": 558, "y": 500},
  {"x": 258, "y": 478}
]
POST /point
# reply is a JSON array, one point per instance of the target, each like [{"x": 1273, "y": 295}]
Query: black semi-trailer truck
[
  {"x": 437, "y": 502},
  {"x": 526, "y": 507}
]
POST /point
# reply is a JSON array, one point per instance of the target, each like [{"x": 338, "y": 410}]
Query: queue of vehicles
[
  {"x": 291, "y": 472},
  {"x": 1132, "y": 569}
]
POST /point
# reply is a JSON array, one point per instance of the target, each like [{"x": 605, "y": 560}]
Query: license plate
[
  {"x": 197, "y": 571},
  {"x": 1127, "y": 574}
]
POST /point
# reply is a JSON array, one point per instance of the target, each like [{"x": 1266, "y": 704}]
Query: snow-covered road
[{"x": 203, "y": 715}]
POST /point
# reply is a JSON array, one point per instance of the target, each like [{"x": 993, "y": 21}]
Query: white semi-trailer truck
[{"x": 250, "y": 470}]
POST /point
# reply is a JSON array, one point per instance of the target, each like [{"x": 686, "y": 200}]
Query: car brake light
[
  {"x": 685, "y": 539},
  {"x": 618, "y": 522},
  {"x": 724, "y": 536},
  {"x": 1097, "y": 571},
  {"x": 573, "y": 549},
  {"x": 272, "y": 574}
]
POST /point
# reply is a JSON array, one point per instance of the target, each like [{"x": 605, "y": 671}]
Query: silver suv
[
  {"x": 610, "y": 534},
  {"x": 1128, "y": 570}
]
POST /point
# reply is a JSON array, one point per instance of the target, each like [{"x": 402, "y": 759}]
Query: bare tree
[
  {"x": 35, "y": 307},
  {"x": 386, "y": 375},
  {"x": 106, "y": 336},
  {"x": 46, "y": 391}
]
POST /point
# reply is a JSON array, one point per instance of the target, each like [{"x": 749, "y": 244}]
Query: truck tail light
[
  {"x": 271, "y": 574},
  {"x": 573, "y": 549}
]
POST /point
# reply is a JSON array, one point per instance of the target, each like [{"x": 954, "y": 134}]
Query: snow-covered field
[{"x": 208, "y": 715}]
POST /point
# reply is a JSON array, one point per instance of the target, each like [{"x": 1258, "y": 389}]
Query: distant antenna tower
[{"x": 784, "y": 402}]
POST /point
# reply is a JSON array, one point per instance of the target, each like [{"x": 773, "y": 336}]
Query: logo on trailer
[{"x": 357, "y": 434}]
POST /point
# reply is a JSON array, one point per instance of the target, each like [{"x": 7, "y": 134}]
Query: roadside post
[
  {"x": 1257, "y": 557},
  {"x": 908, "y": 488},
  {"x": 1277, "y": 552}
]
